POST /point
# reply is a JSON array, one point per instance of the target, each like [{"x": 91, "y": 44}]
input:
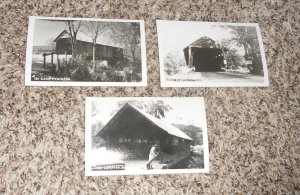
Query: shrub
[
  {"x": 112, "y": 75},
  {"x": 173, "y": 62},
  {"x": 196, "y": 161},
  {"x": 79, "y": 68}
]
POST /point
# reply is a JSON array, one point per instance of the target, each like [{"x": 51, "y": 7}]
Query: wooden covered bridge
[
  {"x": 133, "y": 131},
  {"x": 204, "y": 56},
  {"x": 63, "y": 45},
  {"x": 84, "y": 47}
]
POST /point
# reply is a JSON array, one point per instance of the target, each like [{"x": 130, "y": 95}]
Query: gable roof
[
  {"x": 208, "y": 43},
  {"x": 63, "y": 34},
  {"x": 170, "y": 129}
]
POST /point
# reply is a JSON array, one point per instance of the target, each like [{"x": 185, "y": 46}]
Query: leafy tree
[
  {"x": 247, "y": 38},
  {"x": 95, "y": 111},
  {"x": 193, "y": 131},
  {"x": 97, "y": 141},
  {"x": 233, "y": 59},
  {"x": 230, "y": 54},
  {"x": 204, "y": 42},
  {"x": 173, "y": 61},
  {"x": 136, "y": 103},
  {"x": 196, "y": 161},
  {"x": 132, "y": 37},
  {"x": 156, "y": 108},
  {"x": 128, "y": 34}
]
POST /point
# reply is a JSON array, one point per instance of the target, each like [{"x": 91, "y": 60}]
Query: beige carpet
[{"x": 253, "y": 132}]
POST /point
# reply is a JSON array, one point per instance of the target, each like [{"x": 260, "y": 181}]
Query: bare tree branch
[
  {"x": 73, "y": 27},
  {"x": 94, "y": 29}
]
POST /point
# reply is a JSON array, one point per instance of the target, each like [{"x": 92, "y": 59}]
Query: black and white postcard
[
  {"x": 211, "y": 54},
  {"x": 145, "y": 136},
  {"x": 85, "y": 52}
]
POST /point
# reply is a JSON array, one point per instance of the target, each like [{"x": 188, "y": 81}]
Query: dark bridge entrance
[
  {"x": 204, "y": 59},
  {"x": 207, "y": 59}
]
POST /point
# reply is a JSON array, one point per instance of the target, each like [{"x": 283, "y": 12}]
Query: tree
[
  {"x": 193, "y": 131},
  {"x": 156, "y": 108},
  {"x": 97, "y": 141},
  {"x": 204, "y": 42},
  {"x": 136, "y": 103},
  {"x": 247, "y": 38},
  {"x": 73, "y": 27},
  {"x": 132, "y": 38},
  {"x": 173, "y": 61},
  {"x": 231, "y": 55},
  {"x": 94, "y": 29},
  {"x": 95, "y": 111},
  {"x": 128, "y": 34},
  {"x": 233, "y": 59}
]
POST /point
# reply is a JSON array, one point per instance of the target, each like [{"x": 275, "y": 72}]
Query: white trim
[
  {"x": 202, "y": 118},
  {"x": 165, "y": 83},
  {"x": 28, "y": 66},
  {"x": 85, "y": 19}
]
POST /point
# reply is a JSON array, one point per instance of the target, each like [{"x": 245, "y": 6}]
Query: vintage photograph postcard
[
  {"x": 129, "y": 136},
  {"x": 85, "y": 52},
  {"x": 211, "y": 54}
]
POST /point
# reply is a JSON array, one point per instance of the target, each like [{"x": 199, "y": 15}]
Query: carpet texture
[{"x": 253, "y": 132}]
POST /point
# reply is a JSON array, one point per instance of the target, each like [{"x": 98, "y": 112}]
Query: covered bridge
[
  {"x": 204, "y": 55},
  {"x": 103, "y": 52},
  {"x": 135, "y": 131}
]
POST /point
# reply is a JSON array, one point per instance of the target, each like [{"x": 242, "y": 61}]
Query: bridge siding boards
[
  {"x": 63, "y": 45},
  {"x": 140, "y": 131}
]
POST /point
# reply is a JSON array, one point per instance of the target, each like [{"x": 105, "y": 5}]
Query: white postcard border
[
  {"x": 165, "y": 83},
  {"x": 88, "y": 141},
  {"x": 29, "y": 50}
]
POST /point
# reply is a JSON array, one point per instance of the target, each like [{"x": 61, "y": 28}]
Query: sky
[
  {"x": 174, "y": 36},
  {"x": 46, "y": 30},
  {"x": 185, "y": 111}
]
